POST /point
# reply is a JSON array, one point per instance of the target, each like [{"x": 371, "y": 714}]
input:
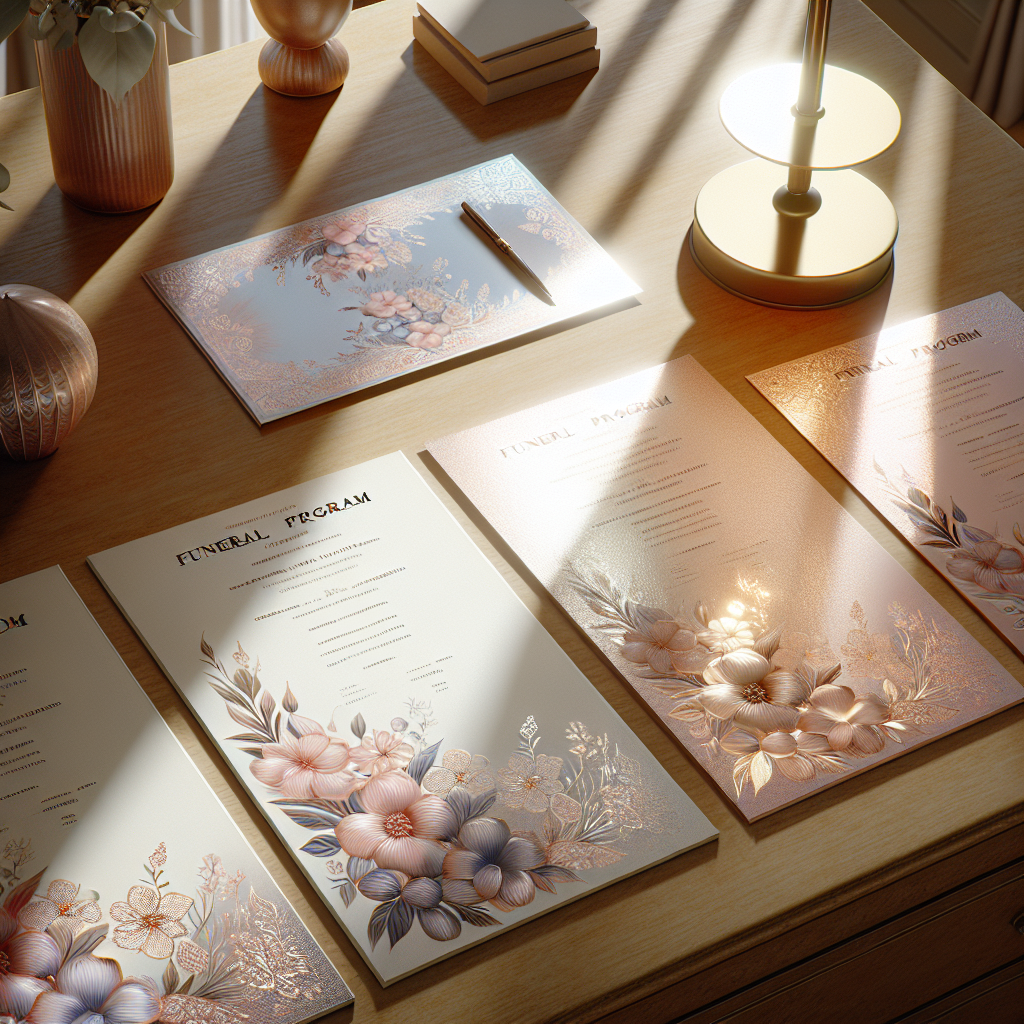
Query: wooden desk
[{"x": 626, "y": 151}]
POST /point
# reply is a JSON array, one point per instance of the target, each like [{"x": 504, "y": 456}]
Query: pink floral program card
[
  {"x": 926, "y": 420},
  {"x": 127, "y": 895},
  {"x": 781, "y": 645},
  {"x": 302, "y": 315}
]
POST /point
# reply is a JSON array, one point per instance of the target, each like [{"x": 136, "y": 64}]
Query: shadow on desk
[
  {"x": 269, "y": 138},
  {"x": 64, "y": 269},
  {"x": 725, "y": 325},
  {"x": 508, "y": 116}
]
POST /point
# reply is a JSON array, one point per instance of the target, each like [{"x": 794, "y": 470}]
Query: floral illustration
[
  {"x": 773, "y": 702},
  {"x": 16, "y": 854},
  {"x": 346, "y": 249},
  {"x": 471, "y": 772},
  {"x": 413, "y": 310},
  {"x": 227, "y": 959},
  {"x": 305, "y": 764},
  {"x": 381, "y": 289},
  {"x": 150, "y": 922},
  {"x": 530, "y": 782},
  {"x": 62, "y": 900},
  {"x": 426, "y": 315},
  {"x": 441, "y": 846},
  {"x": 986, "y": 567}
]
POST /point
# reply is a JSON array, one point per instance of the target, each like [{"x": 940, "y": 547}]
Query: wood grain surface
[{"x": 625, "y": 150}]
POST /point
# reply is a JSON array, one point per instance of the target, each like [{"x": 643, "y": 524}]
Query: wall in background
[{"x": 977, "y": 44}]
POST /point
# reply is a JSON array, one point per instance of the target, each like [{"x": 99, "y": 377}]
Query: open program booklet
[
  {"x": 769, "y": 632},
  {"x": 127, "y": 894},
  {"x": 437, "y": 765}
]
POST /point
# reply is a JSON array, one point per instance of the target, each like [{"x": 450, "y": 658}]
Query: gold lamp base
[{"x": 830, "y": 246}]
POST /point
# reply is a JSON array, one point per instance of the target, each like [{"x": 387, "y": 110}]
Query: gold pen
[{"x": 507, "y": 249}]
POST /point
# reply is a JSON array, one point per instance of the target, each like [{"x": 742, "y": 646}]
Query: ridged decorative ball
[{"x": 47, "y": 371}]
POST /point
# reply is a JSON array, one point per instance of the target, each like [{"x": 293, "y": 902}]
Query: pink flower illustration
[
  {"x": 311, "y": 765},
  {"x": 354, "y": 259},
  {"x": 61, "y": 901},
  {"x": 742, "y": 685},
  {"x": 343, "y": 232},
  {"x": 388, "y": 304},
  {"x": 383, "y": 753},
  {"x": 530, "y": 783},
  {"x": 212, "y": 873},
  {"x": 724, "y": 635},
  {"x": 426, "y": 335},
  {"x": 92, "y": 989},
  {"x": 229, "y": 888},
  {"x": 462, "y": 770},
  {"x": 797, "y": 648},
  {"x": 150, "y": 922},
  {"x": 783, "y": 750},
  {"x": 845, "y": 719},
  {"x": 991, "y": 565},
  {"x": 489, "y": 863},
  {"x": 662, "y": 645},
  {"x": 365, "y": 257},
  {"x": 400, "y": 828}
]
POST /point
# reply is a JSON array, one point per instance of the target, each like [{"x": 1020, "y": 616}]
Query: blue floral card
[{"x": 320, "y": 309}]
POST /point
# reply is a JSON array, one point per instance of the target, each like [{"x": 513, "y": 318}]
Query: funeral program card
[
  {"x": 302, "y": 315},
  {"x": 782, "y": 646},
  {"x": 127, "y": 894},
  {"x": 926, "y": 420},
  {"x": 437, "y": 765}
]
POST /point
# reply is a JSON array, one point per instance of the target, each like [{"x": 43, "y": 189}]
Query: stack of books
[{"x": 498, "y": 48}]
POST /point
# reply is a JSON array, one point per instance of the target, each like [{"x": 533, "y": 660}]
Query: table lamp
[{"x": 761, "y": 230}]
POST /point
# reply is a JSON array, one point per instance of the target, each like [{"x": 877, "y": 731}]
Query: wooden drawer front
[
  {"x": 892, "y": 969},
  {"x": 998, "y": 998}
]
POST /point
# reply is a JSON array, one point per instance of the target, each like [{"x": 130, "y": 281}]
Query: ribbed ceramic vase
[
  {"x": 107, "y": 157},
  {"x": 302, "y": 58},
  {"x": 47, "y": 371}
]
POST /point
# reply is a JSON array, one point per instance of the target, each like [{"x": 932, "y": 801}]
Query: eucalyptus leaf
[
  {"x": 34, "y": 27},
  {"x": 115, "y": 60},
  {"x": 61, "y": 34},
  {"x": 164, "y": 9},
  {"x": 65, "y": 18},
  {"x": 4, "y": 206},
  {"x": 12, "y": 14},
  {"x": 119, "y": 20}
]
